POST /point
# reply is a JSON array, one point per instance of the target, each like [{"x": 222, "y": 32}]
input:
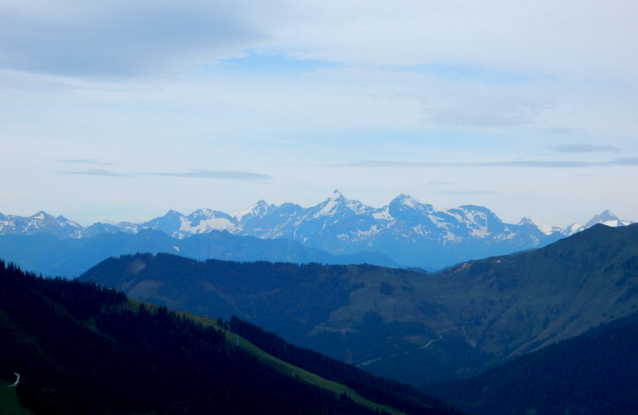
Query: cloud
[
  {"x": 516, "y": 163},
  {"x": 220, "y": 175},
  {"x": 584, "y": 148},
  {"x": 119, "y": 38},
  {"x": 538, "y": 164},
  {"x": 86, "y": 161},
  {"x": 628, "y": 161},
  {"x": 198, "y": 174},
  {"x": 97, "y": 172},
  {"x": 542, "y": 164}
]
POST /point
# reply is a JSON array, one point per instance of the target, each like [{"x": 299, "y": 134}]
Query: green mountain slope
[
  {"x": 593, "y": 373},
  {"x": 82, "y": 349},
  {"x": 413, "y": 327}
]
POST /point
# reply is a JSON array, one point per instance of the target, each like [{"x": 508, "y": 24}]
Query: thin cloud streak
[
  {"x": 584, "y": 148},
  {"x": 97, "y": 172},
  {"x": 86, "y": 161},
  {"x": 542, "y": 164},
  {"x": 220, "y": 175},
  {"x": 627, "y": 161}
]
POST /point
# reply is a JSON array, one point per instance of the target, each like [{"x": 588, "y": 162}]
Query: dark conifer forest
[
  {"x": 380, "y": 390},
  {"x": 81, "y": 349},
  {"x": 594, "y": 373}
]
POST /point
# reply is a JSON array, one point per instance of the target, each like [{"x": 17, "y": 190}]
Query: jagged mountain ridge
[
  {"x": 41, "y": 222},
  {"x": 408, "y": 231}
]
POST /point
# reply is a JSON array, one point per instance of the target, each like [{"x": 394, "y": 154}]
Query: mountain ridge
[
  {"x": 48, "y": 255},
  {"x": 412, "y": 233}
]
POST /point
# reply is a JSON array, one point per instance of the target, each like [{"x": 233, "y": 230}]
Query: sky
[{"x": 119, "y": 111}]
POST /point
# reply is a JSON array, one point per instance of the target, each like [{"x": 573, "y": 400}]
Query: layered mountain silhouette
[
  {"x": 415, "y": 327},
  {"x": 409, "y": 232},
  {"x": 46, "y": 254}
]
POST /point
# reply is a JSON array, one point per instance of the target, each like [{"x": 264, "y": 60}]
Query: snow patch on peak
[
  {"x": 408, "y": 200},
  {"x": 332, "y": 204},
  {"x": 572, "y": 229},
  {"x": 383, "y": 214},
  {"x": 40, "y": 215},
  {"x": 546, "y": 229},
  {"x": 337, "y": 195},
  {"x": 607, "y": 218},
  {"x": 258, "y": 210},
  {"x": 328, "y": 209},
  {"x": 206, "y": 225},
  {"x": 355, "y": 206},
  {"x": 203, "y": 212}
]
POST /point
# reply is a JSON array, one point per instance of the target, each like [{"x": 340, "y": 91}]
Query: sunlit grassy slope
[{"x": 278, "y": 364}]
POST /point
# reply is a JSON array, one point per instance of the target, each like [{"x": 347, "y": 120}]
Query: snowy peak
[
  {"x": 543, "y": 228},
  {"x": 408, "y": 209},
  {"x": 41, "y": 222},
  {"x": 338, "y": 204},
  {"x": 258, "y": 210},
  {"x": 203, "y": 221},
  {"x": 408, "y": 202},
  {"x": 172, "y": 214},
  {"x": 607, "y": 218}
]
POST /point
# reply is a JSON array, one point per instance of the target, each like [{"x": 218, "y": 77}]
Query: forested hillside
[
  {"x": 413, "y": 327},
  {"x": 594, "y": 373},
  {"x": 83, "y": 349}
]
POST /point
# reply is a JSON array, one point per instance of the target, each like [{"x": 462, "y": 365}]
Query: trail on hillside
[{"x": 369, "y": 362}]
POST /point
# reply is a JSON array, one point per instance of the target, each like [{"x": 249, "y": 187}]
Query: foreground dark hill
[
  {"x": 593, "y": 373},
  {"x": 82, "y": 349},
  {"x": 48, "y": 255},
  {"x": 413, "y": 327}
]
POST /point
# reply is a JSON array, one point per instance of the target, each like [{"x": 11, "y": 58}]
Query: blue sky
[{"x": 124, "y": 110}]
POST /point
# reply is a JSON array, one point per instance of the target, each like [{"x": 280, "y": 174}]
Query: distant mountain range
[
  {"x": 410, "y": 232},
  {"x": 46, "y": 254}
]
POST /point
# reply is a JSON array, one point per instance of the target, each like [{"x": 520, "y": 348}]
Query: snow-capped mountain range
[{"x": 408, "y": 231}]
